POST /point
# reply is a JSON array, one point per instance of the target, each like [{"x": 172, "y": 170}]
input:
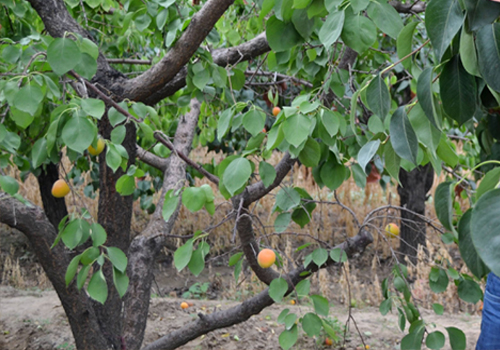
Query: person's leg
[{"x": 489, "y": 339}]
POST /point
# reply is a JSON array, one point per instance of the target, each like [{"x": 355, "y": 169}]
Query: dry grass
[{"x": 358, "y": 283}]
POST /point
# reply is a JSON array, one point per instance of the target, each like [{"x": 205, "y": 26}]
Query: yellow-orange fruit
[
  {"x": 392, "y": 229},
  {"x": 60, "y": 188},
  {"x": 276, "y": 111},
  {"x": 100, "y": 147},
  {"x": 292, "y": 302},
  {"x": 184, "y": 305},
  {"x": 328, "y": 342},
  {"x": 266, "y": 258}
]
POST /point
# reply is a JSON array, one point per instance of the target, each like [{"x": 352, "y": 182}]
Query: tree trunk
[
  {"x": 413, "y": 193},
  {"x": 55, "y": 208}
]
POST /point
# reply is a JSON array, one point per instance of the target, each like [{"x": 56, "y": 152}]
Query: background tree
[{"x": 341, "y": 110}]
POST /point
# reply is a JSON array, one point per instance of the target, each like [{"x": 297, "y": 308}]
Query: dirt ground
[{"x": 35, "y": 320}]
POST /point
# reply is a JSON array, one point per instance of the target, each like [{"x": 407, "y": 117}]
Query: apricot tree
[{"x": 360, "y": 83}]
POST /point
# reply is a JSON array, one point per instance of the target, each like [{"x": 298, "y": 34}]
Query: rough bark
[
  {"x": 413, "y": 194},
  {"x": 32, "y": 221},
  {"x": 55, "y": 208},
  {"x": 145, "y": 247}
]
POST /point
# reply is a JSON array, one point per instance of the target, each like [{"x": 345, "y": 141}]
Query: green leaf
[
  {"x": 224, "y": 123},
  {"x": 338, "y": 255},
  {"x": 197, "y": 262},
  {"x": 193, "y": 198},
  {"x": 290, "y": 320},
  {"x": 481, "y": 13},
  {"x": 311, "y": 153},
  {"x": 403, "y": 138},
  {"x": 117, "y": 258},
  {"x": 71, "y": 270},
  {"x": 488, "y": 54},
  {"x": 443, "y": 20},
  {"x": 385, "y": 17},
  {"x": 97, "y": 288},
  {"x": 484, "y": 229},
  {"x": 93, "y": 107},
  {"x": 201, "y": 76},
  {"x": 438, "y": 308},
  {"x": 90, "y": 255},
  {"x": 288, "y": 338},
  {"x": 435, "y": 340},
  {"x": 401, "y": 320},
  {"x": 303, "y": 287},
  {"x": 183, "y": 254},
  {"x": 446, "y": 152},
  {"x": 359, "y": 32},
  {"x": 467, "y": 249},
  {"x": 468, "y": 54},
  {"x": 63, "y": 55},
  {"x": 321, "y": 305},
  {"x": 116, "y": 117},
  {"x": 28, "y": 99},
  {"x": 301, "y": 4},
  {"x": 78, "y": 133},
  {"x": 287, "y": 198},
  {"x": 426, "y": 133},
  {"x": 331, "y": 28},
  {"x": 443, "y": 204},
  {"x": 413, "y": 340},
  {"x": 9, "y": 184},
  {"x": 280, "y": 35},
  {"x": 367, "y": 152},
  {"x": 125, "y": 185},
  {"x": 82, "y": 276},
  {"x": 87, "y": 66},
  {"x": 267, "y": 173},
  {"x": 98, "y": 234},
  {"x": 319, "y": 256},
  {"x": 392, "y": 161},
  {"x": 469, "y": 291},
  {"x": 311, "y": 324},
  {"x": 438, "y": 280},
  {"x": 458, "y": 91},
  {"x": 385, "y": 306},
  {"x": 254, "y": 121},
  {"x": 378, "y": 98},
  {"x": 236, "y": 175},
  {"x": 282, "y": 221},
  {"x": 425, "y": 96},
  {"x": 113, "y": 158},
  {"x": 489, "y": 182},
  {"x": 333, "y": 174},
  {"x": 359, "y": 5},
  {"x": 296, "y": 129},
  {"x": 404, "y": 43},
  {"x": 278, "y": 289},
  {"x": 331, "y": 121},
  {"x": 458, "y": 340},
  {"x": 303, "y": 24},
  {"x": 121, "y": 282},
  {"x": 39, "y": 152},
  {"x": 74, "y": 231},
  {"x": 235, "y": 258}
]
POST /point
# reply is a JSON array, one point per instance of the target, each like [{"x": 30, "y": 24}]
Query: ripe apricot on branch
[
  {"x": 328, "y": 342},
  {"x": 276, "y": 111},
  {"x": 100, "y": 147},
  {"x": 184, "y": 305},
  {"x": 266, "y": 258},
  {"x": 392, "y": 229},
  {"x": 60, "y": 188}
]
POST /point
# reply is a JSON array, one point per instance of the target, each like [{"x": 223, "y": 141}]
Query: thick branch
[
  {"x": 223, "y": 57},
  {"x": 151, "y": 159},
  {"x": 155, "y": 78},
  {"x": 129, "y": 61},
  {"x": 145, "y": 247},
  {"x": 416, "y": 7},
  {"x": 242, "y": 312},
  {"x": 258, "y": 190}
]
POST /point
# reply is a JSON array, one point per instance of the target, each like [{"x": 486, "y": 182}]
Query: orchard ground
[{"x": 31, "y": 316}]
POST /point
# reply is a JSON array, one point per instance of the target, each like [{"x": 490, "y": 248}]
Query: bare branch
[
  {"x": 129, "y": 61},
  {"x": 284, "y": 77},
  {"x": 159, "y": 136}
]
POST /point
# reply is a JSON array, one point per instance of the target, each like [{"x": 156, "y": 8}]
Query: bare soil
[{"x": 35, "y": 320}]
